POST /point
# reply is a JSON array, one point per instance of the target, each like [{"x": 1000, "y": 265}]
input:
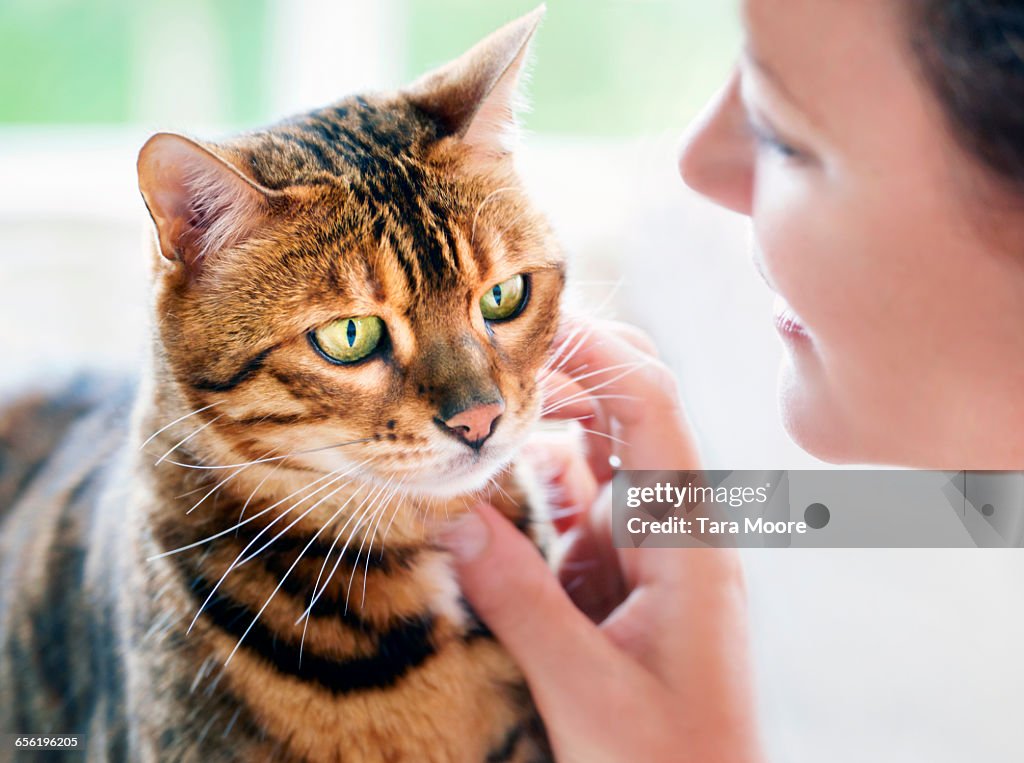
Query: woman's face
[{"x": 899, "y": 267}]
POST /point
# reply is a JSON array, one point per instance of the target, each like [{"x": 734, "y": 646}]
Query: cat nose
[{"x": 475, "y": 424}]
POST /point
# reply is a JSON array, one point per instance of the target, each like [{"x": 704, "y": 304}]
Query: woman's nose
[{"x": 716, "y": 157}]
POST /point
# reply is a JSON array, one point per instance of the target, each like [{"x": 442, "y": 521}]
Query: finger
[
  {"x": 561, "y": 464},
  {"x": 578, "y": 326},
  {"x": 567, "y": 400},
  {"x": 696, "y": 591},
  {"x": 510, "y": 587},
  {"x": 607, "y": 364},
  {"x": 589, "y": 566},
  {"x": 564, "y": 398},
  {"x": 640, "y": 393}
]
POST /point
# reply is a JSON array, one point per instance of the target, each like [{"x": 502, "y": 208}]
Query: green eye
[
  {"x": 504, "y": 301},
  {"x": 349, "y": 339}
]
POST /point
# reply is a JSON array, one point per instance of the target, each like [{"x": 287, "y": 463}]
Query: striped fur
[{"x": 238, "y": 565}]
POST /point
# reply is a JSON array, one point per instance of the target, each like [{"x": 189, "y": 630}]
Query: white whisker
[
  {"x": 217, "y": 487},
  {"x": 561, "y": 404},
  {"x": 361, "y": 512},
  {"x": 323, "y": 527},
  {"x": 381, "y": 505},
  {"x": 290, "y": 568},
  {"x": 632, "y": 366},
  {"x": 254, "y": 516},
  {"x": 369, "y": 551},
  {"x": 394, "y": 514},
  {"x": 256, "y": 489},
  {"x": 235, "y": 563},
  {"x": 606, "y": 436},
  {"x": 180, "y": 418},
  {"x": 184, "y": 440},
  {"x": 272, "y": 458},
  {"x": 488, "y": 197}
]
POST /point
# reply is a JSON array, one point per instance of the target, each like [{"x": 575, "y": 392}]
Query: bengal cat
[{"x": 235, "y": 560}]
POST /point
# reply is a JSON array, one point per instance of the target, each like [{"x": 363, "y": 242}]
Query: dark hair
[{"x": 972, "y": 54}]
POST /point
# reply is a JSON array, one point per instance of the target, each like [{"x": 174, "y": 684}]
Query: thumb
[{"x": 561, "y": 652}]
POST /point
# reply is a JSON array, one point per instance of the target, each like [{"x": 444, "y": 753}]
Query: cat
[{"x": 235, "y": 560}]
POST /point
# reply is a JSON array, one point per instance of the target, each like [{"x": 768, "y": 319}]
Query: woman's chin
[
  {"x": 811, "y": 418},
  {"x": 824, "y": 422}
]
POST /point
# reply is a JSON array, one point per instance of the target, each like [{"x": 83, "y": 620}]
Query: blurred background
[{"x": 861, "y": 655}]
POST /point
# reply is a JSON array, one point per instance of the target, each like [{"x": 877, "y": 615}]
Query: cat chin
[{"x": 442, "y": 485}]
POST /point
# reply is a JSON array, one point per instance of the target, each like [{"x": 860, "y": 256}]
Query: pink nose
[{"x": 474, "y": 425}]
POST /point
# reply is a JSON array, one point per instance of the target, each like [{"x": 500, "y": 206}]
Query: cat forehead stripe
[{"x": 379, "y": 156}]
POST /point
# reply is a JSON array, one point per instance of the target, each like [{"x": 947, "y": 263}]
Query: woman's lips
[{"x": 786, "y": 321}]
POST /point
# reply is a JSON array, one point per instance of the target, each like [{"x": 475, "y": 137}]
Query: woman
[{"x": 878, "y": 148}]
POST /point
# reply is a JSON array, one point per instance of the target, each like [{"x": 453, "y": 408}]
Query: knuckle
[
  {"x": 664, "y": 380},
  {"x": 645, "y": 342},
  {"x": 639, "y": 338}
]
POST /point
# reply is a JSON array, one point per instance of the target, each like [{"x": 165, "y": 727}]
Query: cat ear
[
  {"x": 200, "y": 203},
  {"x": 475, "y": 95}
]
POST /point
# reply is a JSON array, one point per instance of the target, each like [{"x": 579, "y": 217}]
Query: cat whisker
[
  {"x": 607, "y": 436},
  {"x": 272, "y": 459},
  {"x": 580, "y": 331},
  {"x": 361, "y": 512},
  {"x": 317, "y": 588},
  {"x": 184, "y": 440},
  {"x": 565, "y": 513},
  {"x": 601, "y": 306},
  {"x": 221, "y": 484},
  {"x": 235, "y": 563},
  {"x": 256, "y": 489},
  {"x": 177, "y": 420},
  {"x": 514, "y": 221},
  {"x": 216, "y": 487},
  {"x": 254, "y": 516},
  {"x": 193, "y": 491},
  {"x": 381, "y": 506},
  {"x": 323, "y": 527},
  {"x": 480, "y": 206},
  {"x": 298, "y": 519},
  {"x": 586, "y": 417},
  {"x": 562, "y": 404},
  {"x": 549, "y": 393},
  {"x": 493, "y": 481},
  {"x": 369, "y": 550},
  {"x": 597, "y": 372},
  {"x": 575, "y": 583},
  {"x": 401, "y": 502},
  {"x": 563, "y": 356},
  {"x": 565, "y": 343},
  {"x": 293, "y": 564}
]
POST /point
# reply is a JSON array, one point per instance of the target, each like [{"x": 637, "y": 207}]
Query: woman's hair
[{"x": 972, "y": 54}]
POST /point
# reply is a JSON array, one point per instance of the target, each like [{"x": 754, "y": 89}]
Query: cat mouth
[{"x": 464, "y": 473}]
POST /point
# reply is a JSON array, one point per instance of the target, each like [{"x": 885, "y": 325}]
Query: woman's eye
[
  {"x": 504, "y": 300},
  {"x": 349, "y": 339},
  {"x": 767, "y": 139}
]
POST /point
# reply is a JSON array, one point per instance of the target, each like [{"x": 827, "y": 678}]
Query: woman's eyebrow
[{"x": 767, "y": 71}]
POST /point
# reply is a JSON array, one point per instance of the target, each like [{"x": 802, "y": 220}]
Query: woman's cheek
[{"x": 795, "y": 244}]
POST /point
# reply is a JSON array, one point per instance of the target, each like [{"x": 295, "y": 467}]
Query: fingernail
[{"x": 466, "y": 537}]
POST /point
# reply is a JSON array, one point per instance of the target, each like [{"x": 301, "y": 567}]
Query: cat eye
[
  {"x": 505, "y": 300},
  {"x": 348, "y": 340}
]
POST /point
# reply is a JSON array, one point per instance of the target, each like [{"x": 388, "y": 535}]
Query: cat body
[{"x": 235, "y": 561}]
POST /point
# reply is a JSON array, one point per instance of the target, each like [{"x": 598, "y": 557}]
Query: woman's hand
[{"x": 637, "y": 654}]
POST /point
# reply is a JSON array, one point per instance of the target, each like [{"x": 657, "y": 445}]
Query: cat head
[{"x": 363, "y": 286}]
